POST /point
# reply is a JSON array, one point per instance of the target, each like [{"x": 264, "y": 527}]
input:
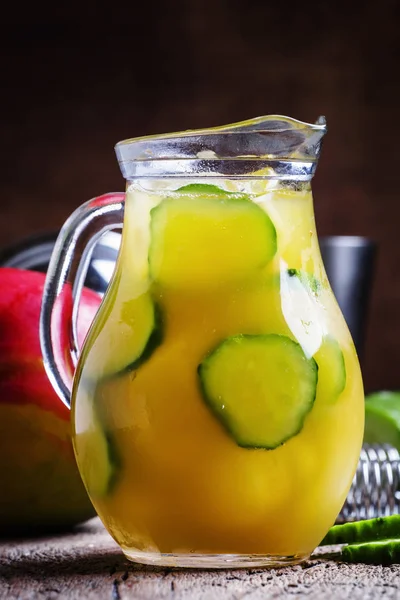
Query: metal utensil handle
[{"x": 64, "y": 282}]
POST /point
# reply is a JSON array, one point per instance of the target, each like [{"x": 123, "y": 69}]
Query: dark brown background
[{"x": 77, "y": 78}]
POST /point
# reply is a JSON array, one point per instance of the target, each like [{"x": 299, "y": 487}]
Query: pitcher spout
[
  {"x": 279, "y": 136},
  {"x": 287, "y": 147}
]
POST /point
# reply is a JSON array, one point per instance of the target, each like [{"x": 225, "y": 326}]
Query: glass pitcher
[{"x": 217, "y": 403}]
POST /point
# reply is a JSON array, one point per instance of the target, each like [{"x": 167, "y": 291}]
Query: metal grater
[{"x": 375, "y": 491}]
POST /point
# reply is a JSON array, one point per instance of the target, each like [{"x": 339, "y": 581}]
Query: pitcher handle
[{"x": 64, "y": 282}]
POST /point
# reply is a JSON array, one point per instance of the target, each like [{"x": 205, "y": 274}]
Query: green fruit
[
  {"x": 202, "y": 235},
  {"x": 260, "y": 387},
  {"x": 382, "y": 418}
]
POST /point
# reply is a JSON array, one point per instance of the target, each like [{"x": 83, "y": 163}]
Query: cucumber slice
[
  {"x": 144, "y": 319},
  {"x": 260, "y": 387},
  {"x": 382, "y": 418},
  {"x": 202, "y": 235},
  {"x": 101, "y": 463},
  {"x": 101, "y": 472},
  {"x": 128, "y": 333},
  {"x": 331, "y": 370},
  {"x": 204, "y": 188}
]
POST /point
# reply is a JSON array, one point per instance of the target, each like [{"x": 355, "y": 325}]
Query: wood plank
[{"x": 87, "y": 564}]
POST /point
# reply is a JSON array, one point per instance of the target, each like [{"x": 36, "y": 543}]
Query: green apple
[{"x": 382, "y": 418}]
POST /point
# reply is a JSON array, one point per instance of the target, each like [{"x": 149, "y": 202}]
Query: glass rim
[
  {"x": 284, "y": 146},
  {"x": 248, "y": 126}
]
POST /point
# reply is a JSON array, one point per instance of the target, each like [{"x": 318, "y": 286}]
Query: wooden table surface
[{"x": 88, "y": 565}]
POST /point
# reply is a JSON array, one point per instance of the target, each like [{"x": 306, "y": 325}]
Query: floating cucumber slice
[
  {"x": 203, "y": 235},
  {"x": 144, "y": 319},
  {"x": 129, "y": 332},
  {"x": 331, "y": 370},
  {"x": 382, "y": 418},
  {"x": 204, "y": 188},
  {"x": 261, "y": 388},
  {"x": 101, "y": 472},
  {"x": 98, "y": 456}
]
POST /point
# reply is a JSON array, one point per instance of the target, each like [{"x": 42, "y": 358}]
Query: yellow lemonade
[{"x": 218, "y": 403}]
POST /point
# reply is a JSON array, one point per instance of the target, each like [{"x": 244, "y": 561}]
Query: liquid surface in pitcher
[{"x": 218, "y": 402}]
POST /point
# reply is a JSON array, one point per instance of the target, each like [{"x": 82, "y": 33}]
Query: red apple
[{"x": 40, "y": 485}]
